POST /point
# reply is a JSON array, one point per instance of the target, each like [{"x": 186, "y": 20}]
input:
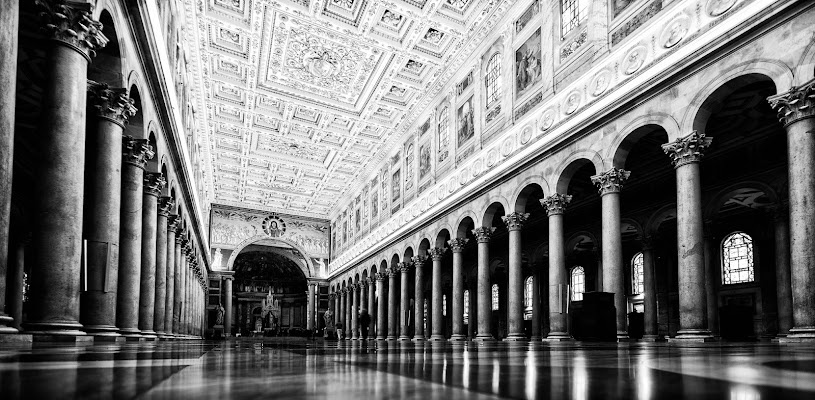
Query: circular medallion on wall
[
  {"x": 506, "y": 147},
  {"x": 547, "y": 120},
  {"x": 719, "y": 7},
  {"x": 600, "y": 82},
  {"x": 478, "y": 166},
  {"x": 526, "y": 134},
  {"x": 675, "y": 32},
  {"x": 492, "y": 157},
  {"x": 452, "y": 184},
  {"x": 274, "y": 226},
  {"x": 634, "y": 60},
  {"x": 572, "y": 103}
]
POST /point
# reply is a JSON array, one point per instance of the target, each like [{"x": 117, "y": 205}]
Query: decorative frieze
[
  {"x": 688, "y": 149},
  {"x": 70, "y": 23},
  {"x": 136, "y": 151},
  {"x": 113, "y": 104},
  {"x": 795, "y": 104},
  {"x": 483, "y": 234},
  {"x": 529, "y": 105},
  {"x": 635, "y": 22},
  {"x": 556, "y": 203},
  {"x": 610, "y": 181},
  {"x": 457, "y": 244}
]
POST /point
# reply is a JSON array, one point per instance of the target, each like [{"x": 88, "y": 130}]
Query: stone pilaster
[
  {"x": 484, "y": 330},
  {"x": 555, "y": 206}
]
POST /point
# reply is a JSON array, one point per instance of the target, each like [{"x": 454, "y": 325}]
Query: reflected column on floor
[
  {"x": 609, "y": 184},
  {"x": 418, "y": 303},
  {"x": 686, "y": 155},
  {"x": 796, "y": 110},
  {"x": 112, "y": 108},
  {"x": 515, "y": 222},
  {"x": 457, "y": 247},
  {"x": 555, "y": 205},
  {"x": 56, "y": 243},
  {"x": 436, "y": 327},
  {"x": 484, "y": 331}
]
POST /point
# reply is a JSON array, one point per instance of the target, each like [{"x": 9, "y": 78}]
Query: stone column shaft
[
  {"x": 228, "y": 307},
  {"x": 558, "y": 288},
  {"x": 159, "y": 317},
  {"x": 405, "y": 301},
  {"x": 536, "y": 308},
  {"x": 9, "y": 24},
  {"x": 457, "y": 247},
  {"x": 310, "y": 305},
  {"x": 381, "y": 323},
  {"x": 56, "y": 243},
  {"x": 153, "y": 184},
  {"x": 782, "y": 270},
  {"x": 169, "y": 298},
  {"x": 15, "y": 285},
  {"x": 686, "y": 154},
  {"x": 178, "y": 279},
  {"x": 484, "y": 314},
  {"x": 393, "y": 306},
  {"x": 437, "y": 328},
  {"x": 651, "y": 332},
  {"x": 418, "y": 303},
  {"x": 372, "y": 305},
  {"x": 515, "y": 286},
  {"x": 355, "y": 289}
]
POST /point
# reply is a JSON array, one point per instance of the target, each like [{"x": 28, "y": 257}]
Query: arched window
[
  {"x": 444, "y": 134},
  {"x": 737, "y": 259},
  {"x": 444, "y": 304},
  {"x": 466, "y": 306},
  {"x": 492, "y": 81},
  {"x": 578, "y": 283},
  {"x": 637, "y": 277},
  {"x": 528, "y": 287},
  {"x": 494, "y": 297}
]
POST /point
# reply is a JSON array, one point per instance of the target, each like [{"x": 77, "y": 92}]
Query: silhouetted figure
[{"x": 364, "y": 323}]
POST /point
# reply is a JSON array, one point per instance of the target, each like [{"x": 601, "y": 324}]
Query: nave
[{"x": 244, "y": 368}]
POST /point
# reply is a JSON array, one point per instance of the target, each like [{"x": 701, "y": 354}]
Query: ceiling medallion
[
  {"x": 414, "y": 66},
  {"x": 433, "y": 36},
  {"x": 274, "y": 226},
  {"x": 391, "y": 18}
]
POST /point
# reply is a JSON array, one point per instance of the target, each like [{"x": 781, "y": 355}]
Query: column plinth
[
  {"x": 555, "y": 205},
  {"x": 484, "y": 331}
]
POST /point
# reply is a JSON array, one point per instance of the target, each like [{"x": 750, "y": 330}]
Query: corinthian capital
[
  {"x": 136, "y": 151},
  {"x": 70, "y": 23},
  {"x": 483, "y": 234},
  {"x": 436, "y": 253},
  {"x": 610, "y": 181},
  {"x": 165, "y": 204},
  {"x": 404, "y": 267},
  {"x": 796, "y": 104},
  {"x": 154, "y": 182},
  {"x": 688, "y": 149},
  {"x": 556, "y": 203},
  {"x": 419, "y": 261},
  {"x": 515, "y": 221},
  {"x": 381, "y": 277},
  {"x": 172, "y": 222},
  {"x": 457, "y": 244},
  {"x": 112, "y": 104}
]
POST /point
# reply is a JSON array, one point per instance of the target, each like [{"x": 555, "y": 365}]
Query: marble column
[
  {"x": 515, "y": 286},
  {"x": 112, "y": 108},
  {"x": 381, "y": 322},
  {"x": 393, "y": 306},
  {"x": 783, "y": 291},
  {"x": 609, "y": 183},
  {"x": 178, "y": 279},
  {"x": 711, "y": 299},
  {"x": 536, "y": 308},
  {"x": 404, "y": 268},
  {"x": 651, "y": 331},
  {"x": 164, "y": 206},
  {"x": 555, "y": 205},
  {"x": 355, "y": 289},
  {"x": 16, "y": 282},
  {"x": 686, "y": 156},
  {"x": 228, "y": 305},
  {"x": 363, "y": 297},
  {"x": 457, "y": 247},
  {"x": 484, "y": 313},
  {"x": 57, "y": 198},
  {"x": 337, "y": 309},
  {"x": 154, "y": 183},
  {"x": 437, "y": 327},
  {"x": 343, "y": 307},
  {"x": 169, "y": 298},
  {"x": 371, "y": 282},
  {"x": 418, "y": 303},
  {"x": 9, "y": 24},
  {"x": 796, "y": 110},
  {"x": 310, "y": 304},
  {"x": 135, "y": 154}
]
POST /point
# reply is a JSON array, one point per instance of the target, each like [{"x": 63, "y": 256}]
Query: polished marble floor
[{"x": 353, "y": 370}]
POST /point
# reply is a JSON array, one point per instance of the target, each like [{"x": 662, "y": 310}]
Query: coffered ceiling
[{"x": 304, "y": 98}]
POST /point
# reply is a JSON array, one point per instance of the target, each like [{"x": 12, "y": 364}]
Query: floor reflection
[{"x": 361, "y": 370}]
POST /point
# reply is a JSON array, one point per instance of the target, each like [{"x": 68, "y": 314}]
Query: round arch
[
  {"x": 520, "y": 192},
  {"x": 666, "y": 212},
  {"x": 572, "y": 163},
  {"x": 635, "y": 130},
  {"x": 723, "y": 195},
  {"x": 308, "y": 271}
]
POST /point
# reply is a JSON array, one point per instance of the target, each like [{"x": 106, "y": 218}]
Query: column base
[
  {"x": 66, "y": 328},
  {"x": 419, "y": 339},
  {"x": 799, "y": 335},
  {"x": 102, "y": 330},
  {"x": 692, "y": 336},
  {"x": 537, "y": 338},
  {"x": 391, "y": 338},
  {"x": 437, "y": 338},
  {"x": 62, "y": 338},
  {"x": 483, "y": 338},
  {"x": 516, "y": 337},
  {"x": 622, "y": 336},
  {"x": 558, "y": 337},
  {"x": 382, "y": 338},
  {"x": 653, "y": 338},
  {"x": 458, "y": 338},
  {"x": 100, "y": 339},
  {"x": 404, "y": 338},
  {"x": 5, "y": 324},
  {"x": 16, "y": 337}
]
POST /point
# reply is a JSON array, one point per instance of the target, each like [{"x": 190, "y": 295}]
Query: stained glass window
[
  {"x": 492, "y": 80},
  {"x": 495, "y": 297},
  {"x": 466, "y": 306},
  {"x": 737, "y": 259},
  {"x": 578, "y": 283},
  {"x": 528, "y": 286},
  {"x": 637, "y": 277}
]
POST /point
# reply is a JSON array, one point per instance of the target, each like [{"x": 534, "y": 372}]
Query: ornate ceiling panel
[{"x": 305, "y": 98}]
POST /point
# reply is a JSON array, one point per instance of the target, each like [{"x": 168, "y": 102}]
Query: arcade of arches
[{"x": 442, "y": 198}]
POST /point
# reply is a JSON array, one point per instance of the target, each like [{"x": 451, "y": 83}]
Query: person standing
[{"x": 364, "y": 323}]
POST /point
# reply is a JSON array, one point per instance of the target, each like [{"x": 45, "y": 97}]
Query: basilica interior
[{"x": 412, "y": 198}]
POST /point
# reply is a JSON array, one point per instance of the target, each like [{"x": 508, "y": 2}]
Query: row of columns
[
  {"x": 140, "y": 276},
  {"x": 794, "y": 271}
]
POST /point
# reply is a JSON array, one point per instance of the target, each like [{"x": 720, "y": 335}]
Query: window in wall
[
  {"x": 528, "y": 297},
  {"x": 572, "y": 13},
  {"x": 737, "y": 259},
  {"x": 444, "y": 135},
  {"x": 466, "y": 306},
  {"x": 578, "y": 283},
  {"x": 637, "y": 277},
  {"x": 492, "y": 81},
  {"x": 444, "y": 304},
  {"x": 495, "y": 297}
]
